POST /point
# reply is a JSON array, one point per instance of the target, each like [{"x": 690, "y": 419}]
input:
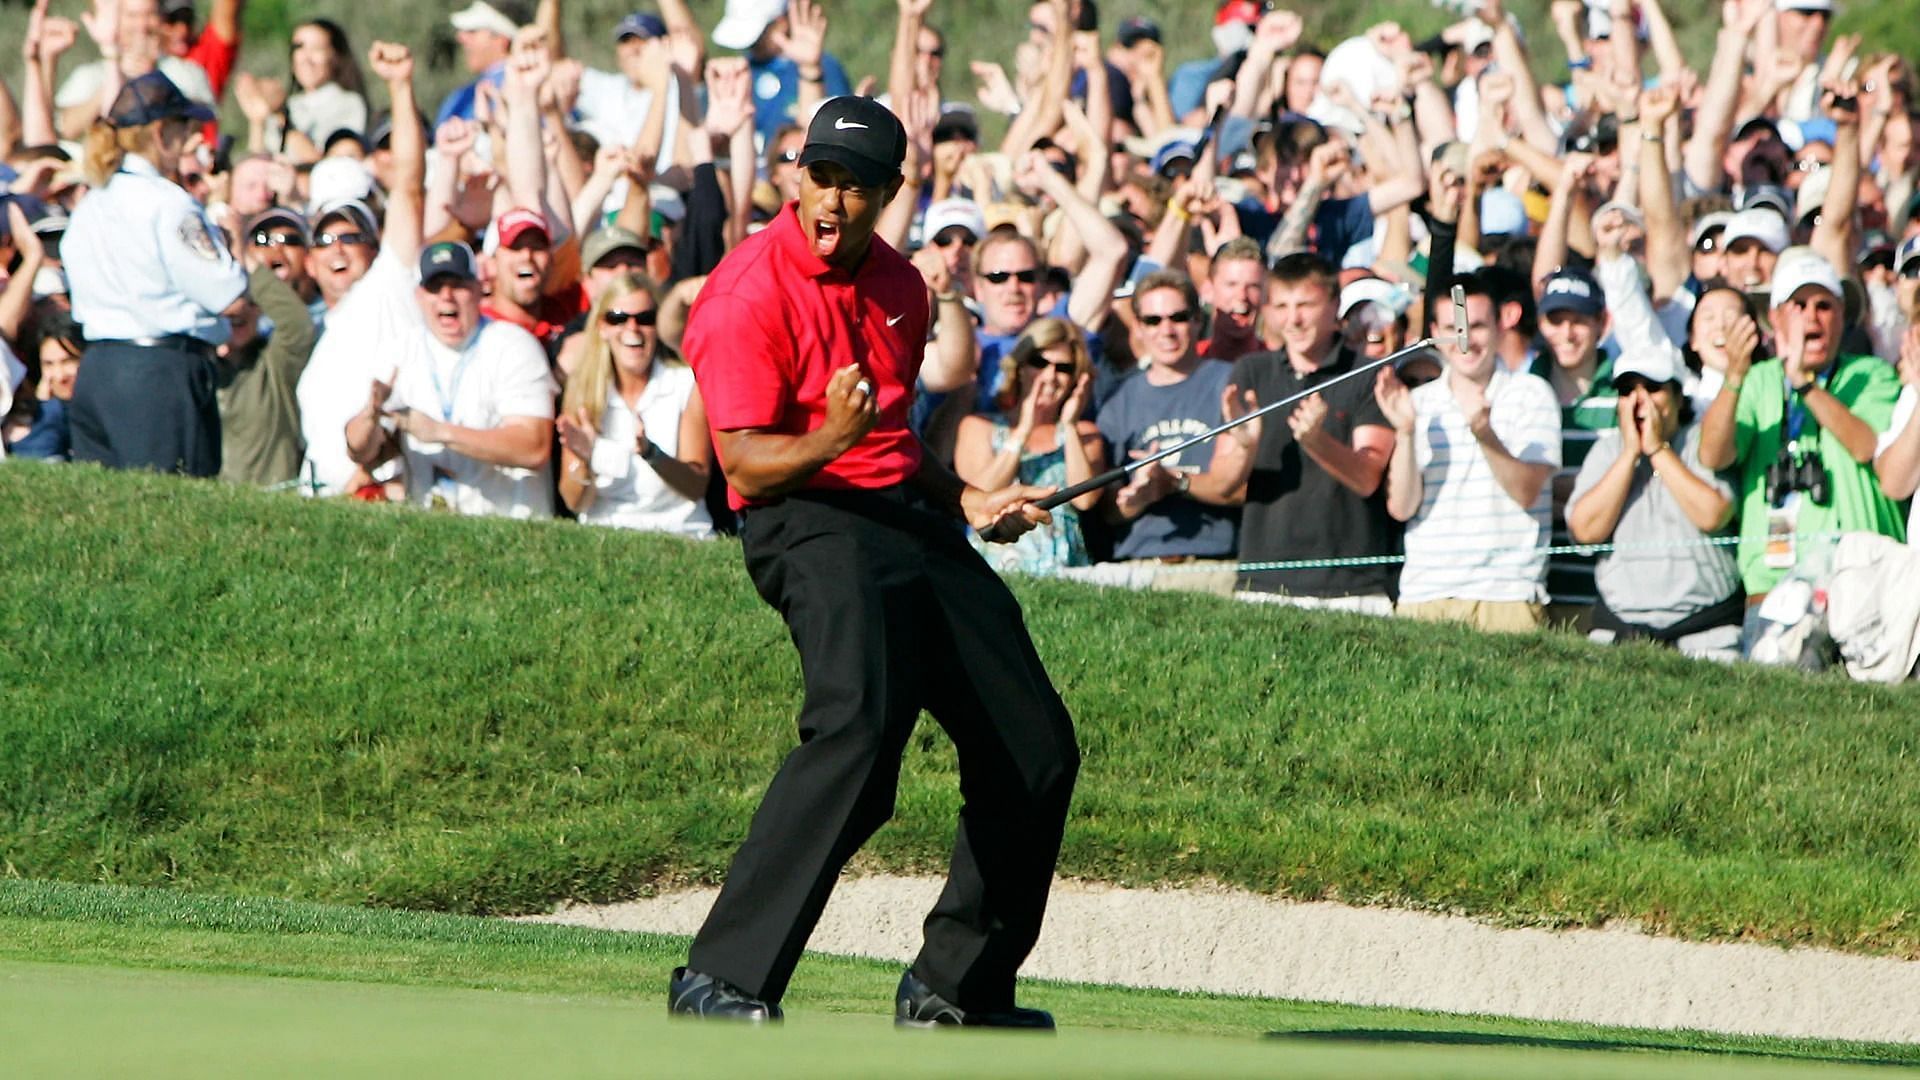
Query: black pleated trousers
[
  {"x": 147, "y": 407},
  {"x": 893, "y": 612}
]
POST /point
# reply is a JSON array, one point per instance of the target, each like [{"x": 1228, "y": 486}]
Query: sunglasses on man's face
[
  {"x": 955, "y": 235},
  {"x": 1040, "y": 363},
  {"x": 1024, "y": 277},
  {"x": 263, "y": 238},
  {"x": 328, "y": 239},
  {"x": 1183, "y": 316},
  {"x": 1633, "y": 384},
  {"x": 622, "y": 318}
]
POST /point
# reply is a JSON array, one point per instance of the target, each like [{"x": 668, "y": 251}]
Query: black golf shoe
[
  {"x": 915, "y": 1005},
  {"x": 692, "y": 993}
]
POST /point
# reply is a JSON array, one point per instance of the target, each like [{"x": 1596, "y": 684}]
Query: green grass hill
[{"x": 225, "y": 691}]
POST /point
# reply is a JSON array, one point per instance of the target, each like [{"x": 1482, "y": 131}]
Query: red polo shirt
[{"x": 774, "y": 322}]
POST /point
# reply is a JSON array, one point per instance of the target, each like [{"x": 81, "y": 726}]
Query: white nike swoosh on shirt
[
  {"x": 841, "y": 124},
  {"x": 896, "y": 318}
]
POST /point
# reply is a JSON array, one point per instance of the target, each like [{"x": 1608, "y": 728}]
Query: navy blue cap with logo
[
  {"x": 150, "y": 97},
  {"x": 640, "y": 24},
  {"x": 447, "y": 259},
  {"x": 859, "y": 134},
  {"x": 1572, "y": 289}
]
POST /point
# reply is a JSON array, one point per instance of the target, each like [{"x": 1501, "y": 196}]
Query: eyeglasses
[
  {"x": 263, "y": 238},
  {"x": 1809, "y": 164},
  {"x": 788, "y": 157},
  {"x": 622, "y": 318},
  {"x": 328, "y": 239},
  {"x": 957, "y": 235},
  {"x": 1024, "y": 277},
  {"x": 1039, "y": 363},
  {"x": 1183, "y": 317}
]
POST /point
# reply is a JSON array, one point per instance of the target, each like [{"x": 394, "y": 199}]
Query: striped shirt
[
  {"x": 1470, "y": 541},
  {"x": 1582, "y": 422}
]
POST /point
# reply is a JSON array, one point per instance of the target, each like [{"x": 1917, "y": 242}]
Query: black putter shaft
[{"x": 1114, "y": 475}]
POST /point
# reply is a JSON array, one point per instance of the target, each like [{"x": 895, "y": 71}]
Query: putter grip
[{"x": 995, "y": 533}]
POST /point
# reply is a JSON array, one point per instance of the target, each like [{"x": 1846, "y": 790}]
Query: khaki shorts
[{"x": 1497, "y": 616}]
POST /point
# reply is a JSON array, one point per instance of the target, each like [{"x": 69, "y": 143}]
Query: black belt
[{"x": 176, "y": 342}]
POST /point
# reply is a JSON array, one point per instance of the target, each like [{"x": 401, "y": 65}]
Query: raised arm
[
  {"x": 526, "y": 157},
  {"x": 1041, "y": 117},
  {"x": 1550, "y": 251},
  {"x": 1713, "y": 122},
  {"x": 1833, "y": 237},
  {"x": 1106, "y": 247},
  {"x": 1669, "y": 258},
  {"x": 1511, "y": 55},
  {"x": 1405, "y": 489},
  {"x": 406, "y": 216},
  {"x": 906, "y": 44}
]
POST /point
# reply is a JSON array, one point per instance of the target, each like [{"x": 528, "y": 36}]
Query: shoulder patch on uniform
[{"x": 194, "y": 234}]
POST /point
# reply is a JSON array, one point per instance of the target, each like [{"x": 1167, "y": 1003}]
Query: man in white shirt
[
  {"x": 468, "y": 408},
  {"x": 613, "y": 105},
  {"x": 1473, "y": 451}
]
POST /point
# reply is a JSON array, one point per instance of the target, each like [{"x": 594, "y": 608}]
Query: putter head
[{"x": 1460, "y": 318}]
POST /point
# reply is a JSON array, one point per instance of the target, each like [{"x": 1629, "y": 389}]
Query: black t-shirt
[{"x": 1296, "y": 509}]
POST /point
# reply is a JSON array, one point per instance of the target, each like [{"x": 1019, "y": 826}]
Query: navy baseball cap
[
  {"x": 860, "y": 134},
  {"x": 1571, "y": 289},
  {"x": 449, "y": 258},
  {"x": 640, "y": 24},
  {"x": 1135, "y": 30},
  {"x": 153, "y": 97}
]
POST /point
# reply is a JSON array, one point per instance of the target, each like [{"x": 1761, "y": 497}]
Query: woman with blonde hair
[
  {"x": 152, "y": 283},
  {"x": 1037, "y": 435},
  {"x": 633, "y": 433}
]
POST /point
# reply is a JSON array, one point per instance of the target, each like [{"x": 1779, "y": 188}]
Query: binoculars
[{"x": 1798, "y": 471}]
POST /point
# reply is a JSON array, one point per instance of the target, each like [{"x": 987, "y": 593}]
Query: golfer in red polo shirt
[{"x": 806, "y": 341}]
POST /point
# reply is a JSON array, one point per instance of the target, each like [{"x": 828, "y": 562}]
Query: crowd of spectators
[{"x": 1690, "y": 292}]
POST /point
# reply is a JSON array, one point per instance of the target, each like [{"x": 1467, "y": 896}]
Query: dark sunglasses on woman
[{"x": 621, "y": 318}]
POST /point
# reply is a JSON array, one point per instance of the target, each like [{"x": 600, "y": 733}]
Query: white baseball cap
[
  {"x": 744, "y": 21},
  {"x": 1758, "y": 223},
  {"x": 947, "y": 213},
  {"x": 1804, "y": 5},
  {"x": 1394, "y": 298},
  {"x": 481, "y": 15},
  {"x": 1708, "y": 222},
  {"x": 1812, "y": 196},
  {"x": 1798, "y": 268},
  {"x": 1654, "y": 365},
  {"x": 335, "y": 179}
]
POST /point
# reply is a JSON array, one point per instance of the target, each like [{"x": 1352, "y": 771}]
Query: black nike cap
[{"x": 860, "y": 134}]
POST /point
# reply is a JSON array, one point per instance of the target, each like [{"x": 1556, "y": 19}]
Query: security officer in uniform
[{"x": 152, "y": 286}]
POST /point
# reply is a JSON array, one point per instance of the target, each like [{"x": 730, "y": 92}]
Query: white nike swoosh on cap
[
  {"x": 896, "y": 318},
  {"x": 841, "y": 123}
]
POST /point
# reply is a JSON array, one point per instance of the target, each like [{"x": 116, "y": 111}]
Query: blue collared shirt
[{"x": 142, "y": 260}]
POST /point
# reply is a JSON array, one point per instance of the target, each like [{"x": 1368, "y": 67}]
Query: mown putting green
[
  {"x": 156, "y": 980},
  {"x": 89, "y": 1021}
]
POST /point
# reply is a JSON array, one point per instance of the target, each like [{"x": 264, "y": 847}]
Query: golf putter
[{"x": 994, "y": 533}]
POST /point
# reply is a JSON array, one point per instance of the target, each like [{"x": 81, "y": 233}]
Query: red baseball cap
[
  {"x": 1238, "y": 11},
  {"x": 509, "y": 227}
]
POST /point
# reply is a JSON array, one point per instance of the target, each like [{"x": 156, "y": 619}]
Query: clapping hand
[
  {"x": 1395, "y": 400},
  {"x": 577, "y": 434},
  {"x": 1308, "y": 419}
]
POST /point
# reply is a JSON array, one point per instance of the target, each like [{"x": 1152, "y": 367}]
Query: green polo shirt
[
  {"x": 1570, "y": 577},
  {"x": 1868, "y": 387}
]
